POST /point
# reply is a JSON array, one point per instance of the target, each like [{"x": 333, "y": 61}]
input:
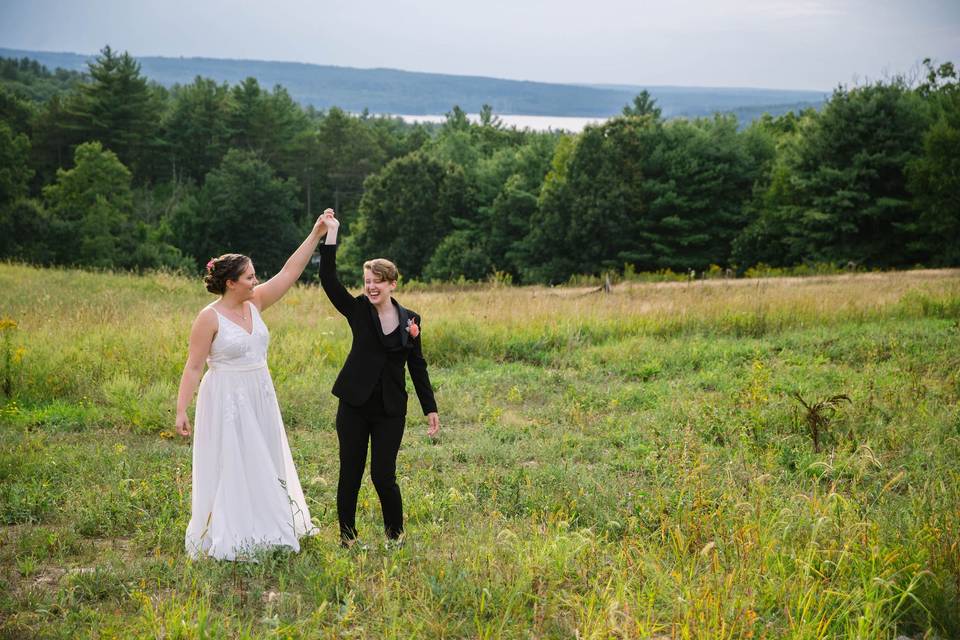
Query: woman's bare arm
[
  {"x": 273, "y": 289},
  {"x": 201, "y": 337}
]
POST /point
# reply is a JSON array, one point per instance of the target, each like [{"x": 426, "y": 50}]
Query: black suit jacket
[{"x": 369, "y": 357}]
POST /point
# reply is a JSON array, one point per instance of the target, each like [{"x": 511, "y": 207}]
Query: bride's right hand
[
  {"x": 319, "y": 227},
  {"x": 183, "y": 426}
]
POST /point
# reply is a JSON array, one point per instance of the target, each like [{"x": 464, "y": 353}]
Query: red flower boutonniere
[{"x": 412, "y": 328}]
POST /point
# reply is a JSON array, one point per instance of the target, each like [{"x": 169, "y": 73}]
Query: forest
[{"x": 107, "y": 170}]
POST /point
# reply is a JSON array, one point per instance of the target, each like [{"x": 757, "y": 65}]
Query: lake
[{"x": 536, "y": 123}]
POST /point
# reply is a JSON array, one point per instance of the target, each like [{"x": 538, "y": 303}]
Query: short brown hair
[{"x": 382, "y": 269}]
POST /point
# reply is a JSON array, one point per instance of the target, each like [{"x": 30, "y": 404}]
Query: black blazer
[{"x": 369, "y": 357}]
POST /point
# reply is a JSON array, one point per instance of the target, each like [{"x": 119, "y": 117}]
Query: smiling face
[
  {"x": 377, "y": 289},
  {"x": 244, "y": 285}
]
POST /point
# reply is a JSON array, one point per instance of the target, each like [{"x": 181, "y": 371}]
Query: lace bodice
[{"x": 233, "y": 346}]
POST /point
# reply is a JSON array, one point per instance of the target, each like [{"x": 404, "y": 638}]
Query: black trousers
[{"x": 355, "y": 427}]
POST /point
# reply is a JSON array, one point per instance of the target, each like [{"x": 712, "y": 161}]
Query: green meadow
[{"x": 637, "y": 464}]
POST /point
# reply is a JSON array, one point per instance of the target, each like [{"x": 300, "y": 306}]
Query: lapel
[{"x": 404, "y": 318}]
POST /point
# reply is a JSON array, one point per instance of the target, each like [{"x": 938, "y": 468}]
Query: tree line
[{"x": 107, "y": 170}]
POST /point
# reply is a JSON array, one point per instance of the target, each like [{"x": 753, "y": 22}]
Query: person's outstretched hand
[{"x": 433, "y": 419}]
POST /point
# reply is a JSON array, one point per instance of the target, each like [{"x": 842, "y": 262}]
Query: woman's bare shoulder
[{"x": 207, "y": 318}]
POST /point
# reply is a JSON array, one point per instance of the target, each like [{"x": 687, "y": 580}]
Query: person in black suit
[{"x": 371, "y": 385}]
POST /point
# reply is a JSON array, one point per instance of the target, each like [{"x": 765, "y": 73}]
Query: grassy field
[{"x": 629, "y": 465}]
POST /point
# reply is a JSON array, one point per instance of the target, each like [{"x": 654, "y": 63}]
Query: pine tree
[{"x": 119, "y": 109}]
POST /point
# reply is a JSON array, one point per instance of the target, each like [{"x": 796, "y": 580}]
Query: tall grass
[{"x": 626, "y": 465}]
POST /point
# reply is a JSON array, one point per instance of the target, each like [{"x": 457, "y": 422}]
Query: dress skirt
[{"x": 246, "y": 493}]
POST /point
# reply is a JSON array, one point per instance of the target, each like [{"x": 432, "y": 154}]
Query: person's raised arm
[
  {"x": 274, "y": 288},
  {"x": 201, "y": 337},
  {"x": 331, "y": 284}
]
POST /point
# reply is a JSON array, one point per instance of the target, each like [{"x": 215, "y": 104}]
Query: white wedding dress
[{"x": 246, "y": 494}]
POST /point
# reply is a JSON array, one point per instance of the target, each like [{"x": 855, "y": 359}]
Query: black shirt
[{"x": 393, "y": 343}]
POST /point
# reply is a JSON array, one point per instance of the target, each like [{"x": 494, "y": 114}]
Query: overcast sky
[{"x": 789, "y": 44}]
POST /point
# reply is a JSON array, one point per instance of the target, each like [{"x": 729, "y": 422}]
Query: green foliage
[
  {"x": 91, "y": 204},
  {"x": 644, "y": 105},
  {"x": 97, "y": 176},
  {"x": 90, "y": 214},
  {"x": 508, "y": 183},
  {"x": 934, "y": 176},
  {"x": 406, "y": 211},
  {"x": 639, "y": 192},
  {"x": 243, "y": 207},
  {"x": 542, "y": 255},
  {"x": 700, "y": 178},
  {"x": 27, "y": 233},
  {"x": 15, "y": 171},
  {"x": 838, "y": 193},
  {"x": 56, "y": 132},
  {"x": 460, "y": 254},
  {"x": 266, "y": 123},
  {"x": 197, "y": 128},
  {"x": 343, "y": 151},
  {"x": 15, "y": 112},
  {"x": 119, "y": 109},
  {"x": 33, "y": 81}
]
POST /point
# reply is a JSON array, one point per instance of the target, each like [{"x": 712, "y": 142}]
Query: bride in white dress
[{"x": 246, "y": 494}]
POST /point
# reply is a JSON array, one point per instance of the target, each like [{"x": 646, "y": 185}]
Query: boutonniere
[{"x": 412, "y": 328}]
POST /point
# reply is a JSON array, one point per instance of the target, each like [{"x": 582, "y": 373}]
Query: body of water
[{"x": 536, "y": 123}]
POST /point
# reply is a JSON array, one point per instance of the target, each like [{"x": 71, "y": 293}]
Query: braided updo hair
[{"x": 229, "y": 266}]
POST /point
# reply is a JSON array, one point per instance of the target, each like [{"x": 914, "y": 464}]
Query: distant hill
[
  {"x": 704, "y": 101},
  {"x": 414, "y": 93}
]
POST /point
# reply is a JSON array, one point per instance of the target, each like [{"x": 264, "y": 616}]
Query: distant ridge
[{"x": 418, "y": 93}]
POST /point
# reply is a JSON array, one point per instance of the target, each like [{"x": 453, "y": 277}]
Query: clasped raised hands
[
  {"x": 328, "y": 218},
  {"x": 320, "y": 226}
]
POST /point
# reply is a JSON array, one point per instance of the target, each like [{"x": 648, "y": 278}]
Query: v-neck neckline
[
  {"x": 380, "y": 325},
  {"x": 402, "y": 314},
  {"x": 376, "y": 316},
  {"x": 237, "y": 324}
]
